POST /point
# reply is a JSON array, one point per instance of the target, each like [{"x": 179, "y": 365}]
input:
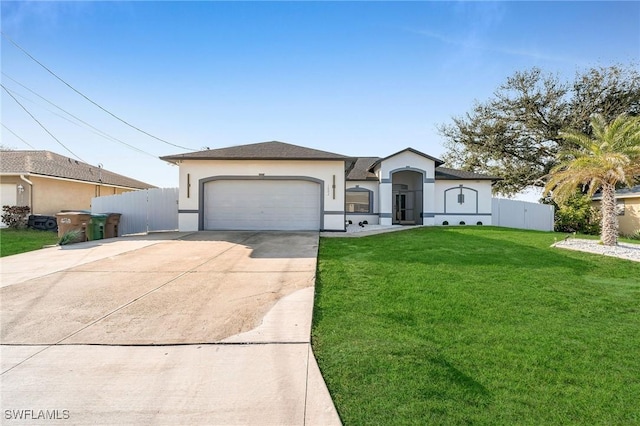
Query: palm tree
[{"x": 610, "y": 156}]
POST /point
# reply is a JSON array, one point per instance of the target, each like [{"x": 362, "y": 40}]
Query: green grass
[
  {"x": 476, "y": 325},
  {"x": 14, "y": 241}
]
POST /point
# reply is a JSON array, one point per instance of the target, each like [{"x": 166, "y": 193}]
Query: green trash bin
[{"x": 97, "y": 223}]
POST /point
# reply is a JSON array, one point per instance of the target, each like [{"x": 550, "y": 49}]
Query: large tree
[
  {"x": 605, "y": 157},
  {"x": 516, "y": 134}
]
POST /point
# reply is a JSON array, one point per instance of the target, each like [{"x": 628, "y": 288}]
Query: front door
[{"x": 403, "y": 207}]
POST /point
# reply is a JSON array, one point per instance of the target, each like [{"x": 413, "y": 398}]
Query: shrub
[
  {"x": 15, "y": 216},
  {"x": 445, "y": 223},
  {"x": 462, "y": 222},
  {"x": 634, "y": 235},
  {"x": 70, "y": 237},
  {"x": 577, "y": 215},
  {"x": 479, "y": 223}
]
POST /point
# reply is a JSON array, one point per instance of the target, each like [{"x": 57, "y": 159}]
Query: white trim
[{"x": 19, "y": 175}]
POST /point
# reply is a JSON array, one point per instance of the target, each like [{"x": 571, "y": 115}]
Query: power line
[
  {"x": 16, "y": 135},
  {"x": 41, "y": 125},
  {"x": 96, "y": 130},
  {"x": 88, "y": 99}
]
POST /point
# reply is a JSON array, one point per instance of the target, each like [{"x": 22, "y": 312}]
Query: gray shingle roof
[
  {"x": 46, "y": 163},
  {"x": 360, "y": 170},
  {"x": 445, "y": 173},
  {"x": 259, "y": 151},
  {"x": 623, "y": 193}
]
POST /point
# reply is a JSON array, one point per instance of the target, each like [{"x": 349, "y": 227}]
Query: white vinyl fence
[
  {"x": 521, "y": 214},
  {"x": 142, "y": 211}
]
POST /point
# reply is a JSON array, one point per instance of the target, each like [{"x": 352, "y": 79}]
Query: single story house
[
  {"x": 48, "y": 182},
  {"x": 628, "y": 206},
  {"x": 279, "y": 186}
]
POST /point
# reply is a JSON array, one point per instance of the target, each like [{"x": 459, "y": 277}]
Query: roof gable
[
  {"x": 362, "y": 167},
  {"x": 437, "y": 161},
  {"x": 273, "y": 150},
  {"x": 47, "y": 163}
]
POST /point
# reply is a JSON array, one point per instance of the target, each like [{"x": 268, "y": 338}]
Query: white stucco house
[{"x": 279, "y": 186}]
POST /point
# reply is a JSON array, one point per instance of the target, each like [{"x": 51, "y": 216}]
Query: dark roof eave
[
  {"x": 370, "y": 179},
  {"x": 449, "y": 177},
  {"x": 186, "y": 157},
  {"x": 446, "y": 173},
  {"x": 632, "y": 192}
]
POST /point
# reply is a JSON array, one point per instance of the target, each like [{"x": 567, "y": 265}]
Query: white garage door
[
  {"x": 7, "y": 196},
  {"x": 262, "y": 205}
]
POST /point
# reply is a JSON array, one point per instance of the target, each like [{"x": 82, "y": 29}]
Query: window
[
  {"x": 358, "y": 200},
  {"x": 620, "y": 207}
]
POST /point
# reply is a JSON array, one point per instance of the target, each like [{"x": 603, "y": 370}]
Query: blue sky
[{"x": 357, "y": 78}]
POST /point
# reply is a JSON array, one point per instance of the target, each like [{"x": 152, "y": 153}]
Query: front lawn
[
  {"x": 14, "y": 241},
  {"x": 476, "y": 325}
]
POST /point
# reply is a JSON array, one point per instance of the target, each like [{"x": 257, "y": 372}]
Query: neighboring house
[
  {"x": 278, "y": 186},
  {"x": 48, "y": 182},
  {"x": 628, "y": 206}
]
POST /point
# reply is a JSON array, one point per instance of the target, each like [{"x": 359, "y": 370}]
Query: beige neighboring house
[
  {"x": 48, "y": 182},
  {"x": 628, "y": 206}
]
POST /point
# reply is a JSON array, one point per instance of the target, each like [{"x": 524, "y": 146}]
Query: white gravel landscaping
[{"x": 622, "y": 250}]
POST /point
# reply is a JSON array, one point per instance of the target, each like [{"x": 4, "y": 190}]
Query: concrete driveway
[{"x": 201, "y": 328}]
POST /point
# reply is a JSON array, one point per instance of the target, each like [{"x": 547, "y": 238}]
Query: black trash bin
[{"x": 43, "y": 223}]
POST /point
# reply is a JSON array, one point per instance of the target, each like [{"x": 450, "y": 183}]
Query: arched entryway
[{"x": 407, "y": 197}]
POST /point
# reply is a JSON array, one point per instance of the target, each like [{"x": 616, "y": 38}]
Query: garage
[
  {"x": 263, "y": 186},
  {"x": 262, "y": 204},
  {"x": 7, "y": 196}
]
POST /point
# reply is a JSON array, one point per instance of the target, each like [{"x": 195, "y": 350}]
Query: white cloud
[
  {"x": 475, "y": 42},
  {"x": 20, "y": 17}
]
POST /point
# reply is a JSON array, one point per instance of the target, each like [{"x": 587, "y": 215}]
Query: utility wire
[
  {"x": 41, "y": 125},
  {"x": 88, "y": 99},
  {"x": 96, "y": 130},
  {"x": 16, "y": 135}
]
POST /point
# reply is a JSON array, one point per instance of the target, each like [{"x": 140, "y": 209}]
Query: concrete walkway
[
  {"x": 203, "y": 328},
  {"x": 355, "y": 231}
]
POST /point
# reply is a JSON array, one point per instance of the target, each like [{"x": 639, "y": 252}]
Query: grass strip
[{"x": 14, "y": 241}]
